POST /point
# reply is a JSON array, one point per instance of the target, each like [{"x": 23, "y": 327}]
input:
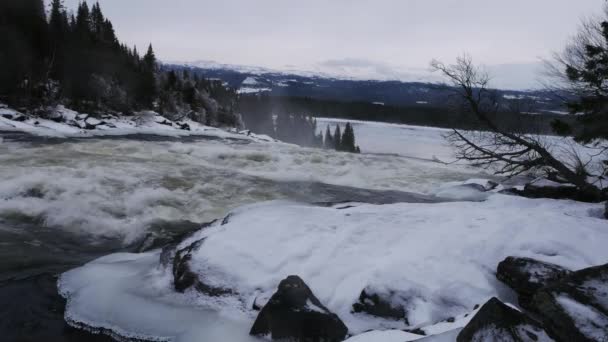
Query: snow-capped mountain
[{"x": 339, "y": 82}]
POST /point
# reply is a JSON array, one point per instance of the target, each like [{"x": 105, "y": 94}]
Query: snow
[
  {"x": 588, "y": 320},
  {"x": 385, "y": 336},
  {"x": 142, "y": 123},
  {"x": 325, "y": 246},
  {"x": 444, "y": 255},
  {"x": 250, "y": 90},
  {"x": 250, "y": 81},
  {"x": 404, "y": 140}
]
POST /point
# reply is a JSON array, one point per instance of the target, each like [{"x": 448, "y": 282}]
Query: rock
[
  {"x": 184, "y": 278},
  {"x": 557, "y": 192},
  {"x": 293, "y": 312},
  {"x": 381, "y": 305},
  {"x": 526, "y": 276},
  {"x": 496, "y": 321},
  {"x": 576, "y": 307},
  {"x": 606, "y": 210}
]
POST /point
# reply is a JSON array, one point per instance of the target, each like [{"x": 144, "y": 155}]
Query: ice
[{"x": 128, "y": 295}]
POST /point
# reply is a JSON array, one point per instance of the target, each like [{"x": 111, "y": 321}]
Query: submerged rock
[
  {"x": 378, "y": 304},
  {"x": 496, "y": 321},
  {"x": 576, "y": 307},
  {"x": 293, "y": 312},
  {"x": 526, "y": 276}
]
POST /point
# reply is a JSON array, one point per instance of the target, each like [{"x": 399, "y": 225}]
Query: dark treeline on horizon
[{"x": 253, "y": 108}]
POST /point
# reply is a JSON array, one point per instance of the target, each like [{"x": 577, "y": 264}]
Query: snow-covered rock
[
  {"x": 442, "y": 255},
  {"x": 438, "y": 254},
  {"x": 497, "y": 321},
  {"x": 526, "y": 276},
  {"x": 293, "y": 312},
  {"x": 576, "y": 307}
]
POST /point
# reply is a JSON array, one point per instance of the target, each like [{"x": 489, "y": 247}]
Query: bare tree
[{"x": 506, "y": 152}]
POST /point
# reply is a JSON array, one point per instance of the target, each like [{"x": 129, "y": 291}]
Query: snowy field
[{"x": 387, "y": 138}]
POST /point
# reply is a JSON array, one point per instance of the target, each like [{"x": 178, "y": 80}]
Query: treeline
[
  {"x": 341, "y": 141},
  {"x": 77, "y": 60},
  {"x": 514, "y": 120},
  {"x": 265, "y": 115}
]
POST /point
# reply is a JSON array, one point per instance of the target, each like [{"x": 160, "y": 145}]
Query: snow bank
[
  {"x": 74, "y": 124},
  {"x": 443, "y": 255}
]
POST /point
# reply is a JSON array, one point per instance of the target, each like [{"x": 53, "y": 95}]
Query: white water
[{"x": 117, "y": 188}]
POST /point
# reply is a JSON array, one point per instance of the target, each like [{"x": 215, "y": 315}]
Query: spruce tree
[
  {"x": 329, "y": 140},
  {"x": 148, "y": 90},
  {"x": 338, "y": 138}
]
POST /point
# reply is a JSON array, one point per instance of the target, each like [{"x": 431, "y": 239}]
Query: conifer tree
[
  {"x": 329, "y": 140},
  {"x": 338, "y": 138}
]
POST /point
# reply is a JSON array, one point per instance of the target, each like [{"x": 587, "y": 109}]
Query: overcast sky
[{"x": 383, "y": 34}]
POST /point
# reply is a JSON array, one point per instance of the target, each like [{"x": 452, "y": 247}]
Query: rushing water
[{"x": 66, "y": 202}]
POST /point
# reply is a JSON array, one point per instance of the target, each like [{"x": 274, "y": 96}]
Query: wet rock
[
  {"x": 381, "y": 305},
  {"x": 496, "y": 321},
  {"x": 293, "y": 312},
  {"x": 576, "y": 307},
  {"x": 184, "y": 278},
  {"x": 526, "y": 276}
]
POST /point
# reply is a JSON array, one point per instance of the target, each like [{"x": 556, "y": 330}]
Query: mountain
[{"x": 424, "y": 91}]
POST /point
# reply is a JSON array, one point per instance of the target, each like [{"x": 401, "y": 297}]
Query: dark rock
[
  {"x": 294, "y": 312},
  {"x": 576, "y": 307},
  {"x": 558, "y": 192},
  {"x": 526, "y": 276},
  {"x": 496, "y": 321},
  {"x": 184, "y": 278},
  {"x": 184, "y": 126},
  {"x": 20, "y": 118},
  {"x": 417, "y": 331},
  {"x": 380, "y": 305}
]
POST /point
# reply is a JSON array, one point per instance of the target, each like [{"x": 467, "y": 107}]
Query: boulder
[
  {"x": 294, "y": 313},
  {"x": 378, "y": 304},
  {"x": 576, "y": 307},
  {"x": 497, "y": 321},
  {"x": 526, "y": 276}
]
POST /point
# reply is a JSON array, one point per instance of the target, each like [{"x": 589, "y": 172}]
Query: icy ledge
[{"x": 441, "y": 256}]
